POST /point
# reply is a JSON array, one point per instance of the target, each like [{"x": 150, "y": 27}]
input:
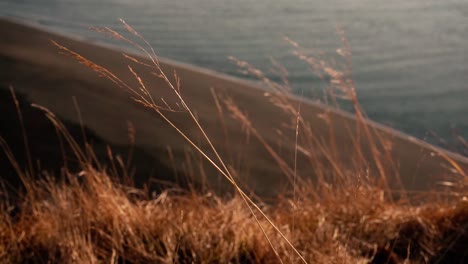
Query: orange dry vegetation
[
  {"x": 90, "y": 218},
  {"x": 346, "y": 216}
]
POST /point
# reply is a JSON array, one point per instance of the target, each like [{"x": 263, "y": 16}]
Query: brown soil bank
[{"x": 37, "y": 70}]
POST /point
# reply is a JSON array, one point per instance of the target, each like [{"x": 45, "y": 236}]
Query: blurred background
[{"x": 410, "y": 57}]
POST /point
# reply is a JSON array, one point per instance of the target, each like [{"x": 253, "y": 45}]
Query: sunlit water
[{"x": 410, "y": 57}]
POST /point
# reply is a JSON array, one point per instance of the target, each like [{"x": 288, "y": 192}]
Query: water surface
[{"x": 410, "y": 57}]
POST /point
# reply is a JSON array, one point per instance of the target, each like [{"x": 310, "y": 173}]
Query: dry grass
[
  {"x": 347, "y": 215},
  {"x": 90, "y": 218}
]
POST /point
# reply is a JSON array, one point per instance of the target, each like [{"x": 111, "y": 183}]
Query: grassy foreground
[{"x": 89, "y": 216}]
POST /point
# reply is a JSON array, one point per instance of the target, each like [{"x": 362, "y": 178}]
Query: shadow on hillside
[{"x": 47, "y": 155}]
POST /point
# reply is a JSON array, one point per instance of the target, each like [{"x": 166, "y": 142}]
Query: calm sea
[{"x": 410, "y": 57}]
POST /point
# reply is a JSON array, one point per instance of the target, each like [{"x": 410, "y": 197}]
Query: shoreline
[
  {"x": 243, "y": 82},
  {"x": 41, "y": 74}
]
